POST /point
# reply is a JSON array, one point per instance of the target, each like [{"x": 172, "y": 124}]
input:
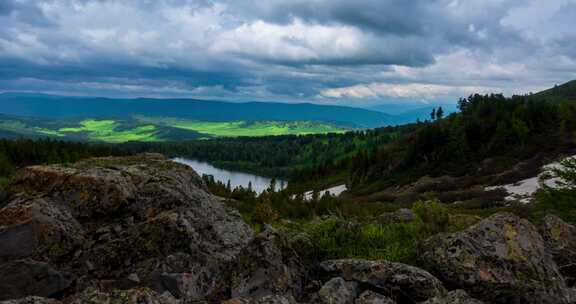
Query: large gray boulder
[
  {"x": 338, "y": 291},
  {"x": 31, "y": 300},
  {"x": 458, "y": 296},
  {"x": 370, "y": 297},
  {"x": 267, "y": 266},
  {"x": 37, "y": 227},
  {"x": 139, "y": 221},
  {"x": 22, "y": 278},
  {"x": 269, "y": 299},
  {"x": 560, "y": 238},
  {"x": 97, "y": 296},
  {"x": 130, "y": 296},
  {"x": 403, "y": 282},
  {"x": 502, "y": 259}
]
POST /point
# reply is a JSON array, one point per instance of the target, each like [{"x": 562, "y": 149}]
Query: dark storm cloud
[
  {"x": 285, "y": 50},
  {"x": 457, "y": 22}
]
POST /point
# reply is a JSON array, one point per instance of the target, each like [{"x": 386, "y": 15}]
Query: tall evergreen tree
[{"x": 439, "y": 113}]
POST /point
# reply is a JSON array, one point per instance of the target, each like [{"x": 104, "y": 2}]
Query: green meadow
[
  {"x": 157, "y": 129},
  {"x": 244, "y": 128},
  {"x": 111, "y": 132}
]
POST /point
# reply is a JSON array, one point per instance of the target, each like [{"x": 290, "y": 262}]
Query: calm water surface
[{"x": 236, "y": 178}]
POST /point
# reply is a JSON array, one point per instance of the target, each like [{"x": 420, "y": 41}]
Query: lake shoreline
[{"x": 237, "y": 178}]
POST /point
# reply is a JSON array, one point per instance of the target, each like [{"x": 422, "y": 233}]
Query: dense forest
[{"x": 278, "y": 156}]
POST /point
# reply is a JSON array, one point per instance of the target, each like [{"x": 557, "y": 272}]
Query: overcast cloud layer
[{"x": 357, "y": 52}]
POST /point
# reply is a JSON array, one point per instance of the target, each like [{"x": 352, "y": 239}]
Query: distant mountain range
[
  {"x": 144, "y": 119},
  {"x": 56, "y": 107}
]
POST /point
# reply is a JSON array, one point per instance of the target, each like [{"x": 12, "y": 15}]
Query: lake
[{"x": 259, "y": 183}]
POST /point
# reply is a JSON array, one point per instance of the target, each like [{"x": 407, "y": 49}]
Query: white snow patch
[
  {"x": 523, "y": 191},
  {"x": 335, "y": 191}
]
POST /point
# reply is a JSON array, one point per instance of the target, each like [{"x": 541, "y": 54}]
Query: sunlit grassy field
[
  {"x": 243, "y": 128},
  {"x": 110, "y": 131},
  {"x": 157, "y": 128}
]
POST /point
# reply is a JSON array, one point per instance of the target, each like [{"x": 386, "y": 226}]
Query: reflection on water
[{"x": 236, "y": 178}]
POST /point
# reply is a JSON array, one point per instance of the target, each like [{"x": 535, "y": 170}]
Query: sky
[{"x": 357, "y": 53}]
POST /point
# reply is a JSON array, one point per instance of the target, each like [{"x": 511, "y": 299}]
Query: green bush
[
  {"x": 434, "y": 215},
  {"x": 336, "y": 239},
  {"x": 559, "y": 202}
]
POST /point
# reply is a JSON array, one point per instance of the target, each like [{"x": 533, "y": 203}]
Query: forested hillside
[
  {"x": 488, "y": 127},
  {"x": 563, "y": 92}
]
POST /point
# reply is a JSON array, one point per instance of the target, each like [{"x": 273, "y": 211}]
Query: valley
[
  {"x": 145, "y": 129},
  {"x": 287, "y": 152},
  {"x": 149, "y": 120}
]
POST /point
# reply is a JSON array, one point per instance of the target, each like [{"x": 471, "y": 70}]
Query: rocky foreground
[{"x": 145, "y": 230}]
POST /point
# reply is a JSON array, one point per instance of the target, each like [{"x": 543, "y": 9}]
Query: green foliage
[
  {"x": 433, "y": 214},
  {"x": 338, "y": 239}
]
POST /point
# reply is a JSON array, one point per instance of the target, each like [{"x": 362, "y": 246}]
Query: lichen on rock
[{"x": 501, "y": 259}]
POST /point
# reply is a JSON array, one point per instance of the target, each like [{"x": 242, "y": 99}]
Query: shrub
[
  {"x": 434, "y": 215},
  {"x": 263, "y": 212},
  {"x": 335, "y": 239}
]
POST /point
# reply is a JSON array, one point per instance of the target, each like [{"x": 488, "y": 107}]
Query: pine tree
[{"x": 439, "y": 113}]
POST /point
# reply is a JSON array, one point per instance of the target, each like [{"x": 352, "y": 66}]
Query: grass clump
[
  {"x": 335, "y": 239},
  {"x": 433, "y": 214}
]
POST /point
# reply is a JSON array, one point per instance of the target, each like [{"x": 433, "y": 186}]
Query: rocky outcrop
[
  {"x": 26, "y": 277},
  {"x": 406, "y": 284},
  {"x": 132, "y": 296},
  {"x": 370, "y": 297},
  {"x": 96, "y": 296},
  {"x": 145, "y": 230},
  {"x": 338, "y": 291},
  {"x": 502, "y": 259},
  {"x": 271, "y": 299},
  {"x": 120, "y": 222},
  {"x": 37, "y": 227},
  {"x": 454, "y": 297},
  {"x": 32, "y": 300},
  {"x": 267, "y": 266},
  {"x": 560, "y": 238}
]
